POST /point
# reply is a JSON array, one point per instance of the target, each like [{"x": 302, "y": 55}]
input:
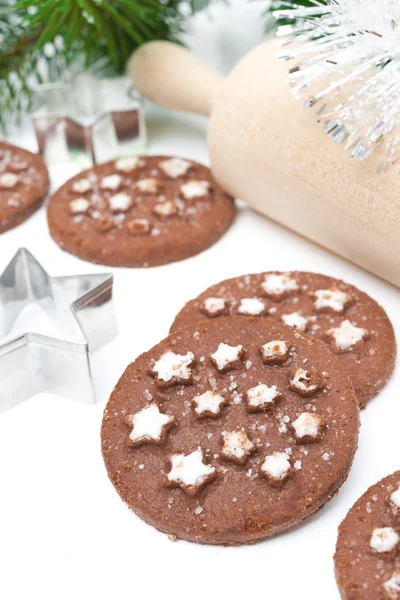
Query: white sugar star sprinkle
[
  {"x": 276, "y": 467},
  {"x": 261, "y": 396},
  {"x": 279, "y": 285},
  {"x": 79, "y": 205},
  {"x": 127, "y": 164},
  {"x": 149, "y": 424},
  {"x": 120, "y": 202},
  {"x": 226, "y": 356},
  {"x": 175, "y": 167},
  {"x": 333, "y": 298},
  {"x": 275, "y": 350},
  {"x": 307, "y": 426},
  {"x": 19, "y": 165},
  {"x": 8, "y": 180},
  {"x": 149, "y": 185},
  {"x": 81, "y": 186},
  {"x": 251, "y": 306},
  {"x": 304, "y": 382},
  {"x": 347, "y": 335},
  {"x": 295, "y": 319},
  {"x": 209, "y": 403},
  {"x": 111, "y": 182},
  {"x": 171, "y": 367},
  {"x": 395, "y": 498},
  {"x": 138, "y": 226},
  {"x": 166, "y": 209},
  {"x": 190, "y": 472},
  {"x": 392, "y": 586},
  {"x": 214, "y": 306},
  {"x": 237, "y": 446},
  {"x": 384, "y": 539},
  {"x": 194, "y": 189}
]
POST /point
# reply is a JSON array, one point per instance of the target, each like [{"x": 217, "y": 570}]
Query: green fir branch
[
  {"x": 272, "y": 23},
  {"x": 43, "y": 39}
]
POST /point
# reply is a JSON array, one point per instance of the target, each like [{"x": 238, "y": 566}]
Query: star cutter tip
[{"x": 81, "y": 307}]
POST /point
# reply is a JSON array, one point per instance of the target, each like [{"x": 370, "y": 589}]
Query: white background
[{"x": 64, "y": 532}]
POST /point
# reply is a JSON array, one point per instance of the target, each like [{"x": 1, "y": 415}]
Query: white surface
[{"x": 64, "y": 532}]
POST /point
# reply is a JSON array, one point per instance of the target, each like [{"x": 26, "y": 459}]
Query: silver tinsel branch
[{"x": 348, "y": 66}]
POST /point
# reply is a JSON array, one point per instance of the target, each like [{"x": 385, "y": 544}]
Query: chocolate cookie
[
  {"x": 352, "y": 325},
  {"x": 140, "y": 212},
  {"x": 24, "y": 182},
  {"x": 230, "y": 431},
  {"x": 367, "y": 559}
]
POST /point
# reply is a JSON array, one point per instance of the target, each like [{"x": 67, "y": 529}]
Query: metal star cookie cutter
[{"x": 82, "y": 308}]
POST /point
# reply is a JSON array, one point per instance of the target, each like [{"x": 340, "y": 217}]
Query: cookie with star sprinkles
[
  {"x": 367, "y": 559},
  {"x": 140, "y": 212},
  {"x": 24, "y": 182},
  {"x": 230, "y": 431},
  {"x": 347, "y": 321}
]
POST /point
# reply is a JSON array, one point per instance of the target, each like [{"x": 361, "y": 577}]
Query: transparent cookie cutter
[
  {"x": 82, "y": 309},
  {"x": 88, "y": 120}
]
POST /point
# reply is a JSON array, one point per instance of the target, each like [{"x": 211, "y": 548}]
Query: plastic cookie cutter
[{"x": 82, "y": 309}]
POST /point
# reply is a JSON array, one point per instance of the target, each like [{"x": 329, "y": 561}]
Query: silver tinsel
[{"x": 348, "y": 66}]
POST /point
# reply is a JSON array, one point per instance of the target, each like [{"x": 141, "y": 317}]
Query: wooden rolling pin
[{"x": 267, "y": 149}]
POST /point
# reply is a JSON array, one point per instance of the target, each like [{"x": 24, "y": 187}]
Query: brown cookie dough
[
  {"x": 208, "y": 443},
  {"x": 352, "y": 325},
  {"x": 140, "y": 212},
  {"x": 24, "y": 182},
  {"x": 367, "y": 559}
]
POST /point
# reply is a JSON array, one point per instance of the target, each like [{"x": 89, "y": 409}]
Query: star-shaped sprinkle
[
  {"x": 332, "y": 299},
  {"x": 308, "y": 427},
  {"x": 194, "y": 189},
  {"x": 305, "y": 381},
  {"x": 189, "y": 472},
  {"x": 251, "y": 306},
  {"x": 347, "y": 335},
  {"x": 384, "y": 539},
  {"x": 209, "y": 404},
  {"x": 19, "y": 165},
  {"x": 149, "y": 425},
  {"x": 149, "y": 185},
  {"x": 111, "y": 182},
  {"x": 173, "y": 368},
  {"x": 79, "y": 205},
  {"x": 279, "y": 286},
  {"x": 276, "y": 351},
  {"x": 175, "y": 167},
  {"x": 261, "y": 397},
  {"x": 8, "y": 180},
  {"x": 395, "y": 498},
  {"x": 237, "y": 446},
  {"x": 165, "y": 209},
  {"x": 138, "y": 226},
  {"x": 276, "y": 468},
  {"x": 120, "y": 202},
  {"x": 227, "y": 357},
  {"x": 391, "y": 587},
  {"x": 127, "y": 164},
  {"x": 214, "y": 307},
  {"x": 82, "y": 186},
  {"x": 295, "y": 319}
]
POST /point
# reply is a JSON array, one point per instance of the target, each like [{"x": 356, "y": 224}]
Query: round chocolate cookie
[
  {"x": 367, "y": 559},
  {"x": 24, "y": 182},
  {"x": 352, "y": 325},
  {"x": 140, "y": 212},
  {"x": 230, "y": 431}
]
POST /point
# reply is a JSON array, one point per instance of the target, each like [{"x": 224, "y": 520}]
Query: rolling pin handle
[{"x": 169, "y": 75}]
